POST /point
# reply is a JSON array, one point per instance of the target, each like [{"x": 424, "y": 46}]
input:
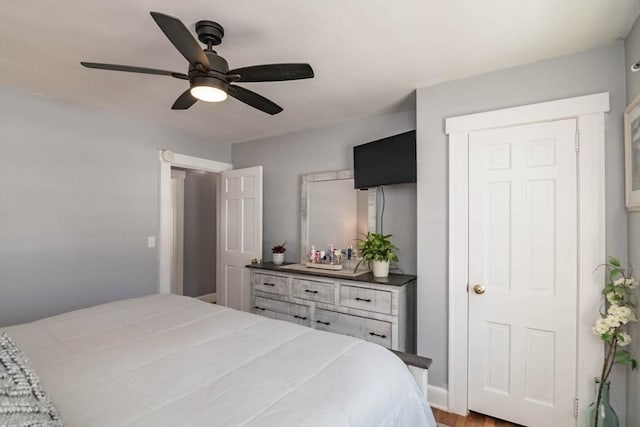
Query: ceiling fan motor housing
[
  {"x": 215, "y": 77},
  {"x": 217, "y": 62},
  {"x": 208, "y": 81}
]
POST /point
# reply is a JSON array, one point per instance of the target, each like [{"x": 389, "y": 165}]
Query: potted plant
[
  {"x": 278, "y": 253},
  {"x": 617, "y": 312},
  {"x": 378, "y": 251}
]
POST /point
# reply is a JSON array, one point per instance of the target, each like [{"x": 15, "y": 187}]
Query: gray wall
[
  {"x": 632, "y": 53},
  {"x": 285, "y": 158},
  {"x": 78, "y": 198},
  {"x": 200, "y": 212},
  {"x": 594, "y": 71}
]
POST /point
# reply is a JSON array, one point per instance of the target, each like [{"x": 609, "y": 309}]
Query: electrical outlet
[{"x": 151, "y": 241}]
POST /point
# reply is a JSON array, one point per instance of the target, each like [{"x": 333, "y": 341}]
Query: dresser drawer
[
  {"x": 314, "y": 290},
  {"x": 282, "y": 310},
  {"x": 365, "y": 299},
  {"x": 372, "y": 330},
  {"x": 286, "y": 317},
  {"x": 271, "y": 284}
]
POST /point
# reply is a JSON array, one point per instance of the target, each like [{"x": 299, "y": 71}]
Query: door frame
[
  {"x": 168, "y": 159},
  {"x": 177, "y": 245},
  {"x": 589, "y": 113}
]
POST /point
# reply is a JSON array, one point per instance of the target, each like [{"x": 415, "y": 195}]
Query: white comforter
[{"x": 166, "y": 360}]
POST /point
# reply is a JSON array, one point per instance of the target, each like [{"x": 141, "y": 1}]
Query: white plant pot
[
  {"x": 278, "y": 258},
  {"x": 380, "y": 268}
]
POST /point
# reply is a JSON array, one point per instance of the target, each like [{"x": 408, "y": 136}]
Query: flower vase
[
  {"x": 605, "y": 416},
  {"x": 278, "y": 258}
]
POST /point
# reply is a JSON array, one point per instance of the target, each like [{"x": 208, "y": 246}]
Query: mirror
[{"x": 333, "y": 212}]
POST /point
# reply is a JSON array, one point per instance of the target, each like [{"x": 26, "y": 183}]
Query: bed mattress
[{"x": 166, "y": 360}]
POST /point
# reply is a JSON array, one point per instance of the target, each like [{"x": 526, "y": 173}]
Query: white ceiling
[{"x": 368, "y": 55}]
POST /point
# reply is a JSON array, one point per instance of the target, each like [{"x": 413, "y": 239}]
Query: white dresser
[{"x": 380, "y": 310}]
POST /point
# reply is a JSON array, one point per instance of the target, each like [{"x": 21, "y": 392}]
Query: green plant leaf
[
  {"x": 357, "y": 265},
  {"x": 613, "y": 273},
  {"x": 623, "y": 358},
  {"x": 377, "y": 247}
]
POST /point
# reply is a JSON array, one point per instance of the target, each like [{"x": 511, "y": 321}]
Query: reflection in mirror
[{"x": 333, "y": 212}]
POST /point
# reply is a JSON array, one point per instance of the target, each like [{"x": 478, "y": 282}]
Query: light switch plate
[{"x": 151, "y": 241}]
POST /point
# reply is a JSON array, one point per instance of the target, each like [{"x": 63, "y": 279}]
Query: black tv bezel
[{"x": 384, "y": 182}]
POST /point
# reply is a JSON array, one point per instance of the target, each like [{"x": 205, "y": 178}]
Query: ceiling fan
[{"x": 209, "y": 76}]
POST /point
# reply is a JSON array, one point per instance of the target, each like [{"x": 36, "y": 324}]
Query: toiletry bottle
[
  {"x": 312, "y": 254},
  {"x": 349, "y": 252}
]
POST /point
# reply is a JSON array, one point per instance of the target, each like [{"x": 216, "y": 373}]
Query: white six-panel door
[
  {"x": 523, "y": 251},
  {"x": 240, "y": 234}
]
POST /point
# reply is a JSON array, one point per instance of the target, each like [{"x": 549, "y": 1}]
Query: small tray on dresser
[{"x": 333, "y": 267}]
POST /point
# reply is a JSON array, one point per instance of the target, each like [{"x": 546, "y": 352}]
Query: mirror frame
[{"x": 307, "y": 179}]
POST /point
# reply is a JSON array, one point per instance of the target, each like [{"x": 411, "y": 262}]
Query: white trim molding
[
  {"x": 589, "y": 111},
  {"x": 190, "y": 162},
  {"x": 542, "y": 112},
  {"x": 437, "y": 397},
  {"x": 458, "y": 274},
  {"x": 170, "y": 159}
]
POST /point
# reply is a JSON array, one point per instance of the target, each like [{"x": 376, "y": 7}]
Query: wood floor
[{"x": 473, "y": 420}]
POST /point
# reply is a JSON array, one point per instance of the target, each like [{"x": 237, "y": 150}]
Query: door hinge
[
  {"x": 577, "y": 140},
  {"x": 467, "y": 288},
  {"x": 575, "y": 408}
]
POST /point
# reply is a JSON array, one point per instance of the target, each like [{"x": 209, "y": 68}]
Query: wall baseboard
[
  {"x": 212, "y": 298},
  {"x": 438, "y": 397}
]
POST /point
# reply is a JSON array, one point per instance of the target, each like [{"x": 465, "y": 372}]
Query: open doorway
[
  {"x": 238, "y": 225},
  {"x": 193, "y": 253}
]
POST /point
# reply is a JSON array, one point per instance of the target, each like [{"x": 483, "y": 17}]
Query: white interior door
[
  {"x": 523, "y": 251},
  {"x": 240, "y": 234},
  {"x": 177, "y": 236}
]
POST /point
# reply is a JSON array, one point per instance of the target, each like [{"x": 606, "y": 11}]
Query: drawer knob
[
  {"x": 259, "y": 308},
  {"x": 324, "y": 323},
  {"x": 299, "y": 317},
  {"x": 377, "y": 335},
  {"x": 310, "y": 292},
  {"x": 269, "y": 284},
  {"x": 363, "y": 299}
]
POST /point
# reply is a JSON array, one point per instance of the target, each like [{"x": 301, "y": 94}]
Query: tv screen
[{"x": 386, "y": 161}]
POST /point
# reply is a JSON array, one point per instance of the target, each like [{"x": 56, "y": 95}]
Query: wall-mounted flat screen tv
[{"x": 386, "y": 161}]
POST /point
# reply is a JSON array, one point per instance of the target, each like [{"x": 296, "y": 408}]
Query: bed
[{"x": 166, "y": 360}]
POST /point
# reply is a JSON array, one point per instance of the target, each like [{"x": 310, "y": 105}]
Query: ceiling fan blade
[
  {"x": 253, "y": 99},
  {"x": 131, "y": 69},
  {"x": 181, "y": 38},
  {"x": 273, "y": 72},
  {"x": 184, "y": 101}
]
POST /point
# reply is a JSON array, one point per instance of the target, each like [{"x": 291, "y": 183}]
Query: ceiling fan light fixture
[
  {"x": 208, "y": 93},
  {"x": 208, "y": 89}
]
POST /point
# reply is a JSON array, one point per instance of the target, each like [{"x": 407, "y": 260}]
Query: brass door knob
[{"x": 478, "y": 289}]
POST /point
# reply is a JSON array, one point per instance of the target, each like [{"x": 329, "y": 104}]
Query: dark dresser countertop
[{"x": 392, "y": 280}]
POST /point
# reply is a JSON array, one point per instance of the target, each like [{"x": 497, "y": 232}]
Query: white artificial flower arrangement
[{"x": 613, "y": 320}]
